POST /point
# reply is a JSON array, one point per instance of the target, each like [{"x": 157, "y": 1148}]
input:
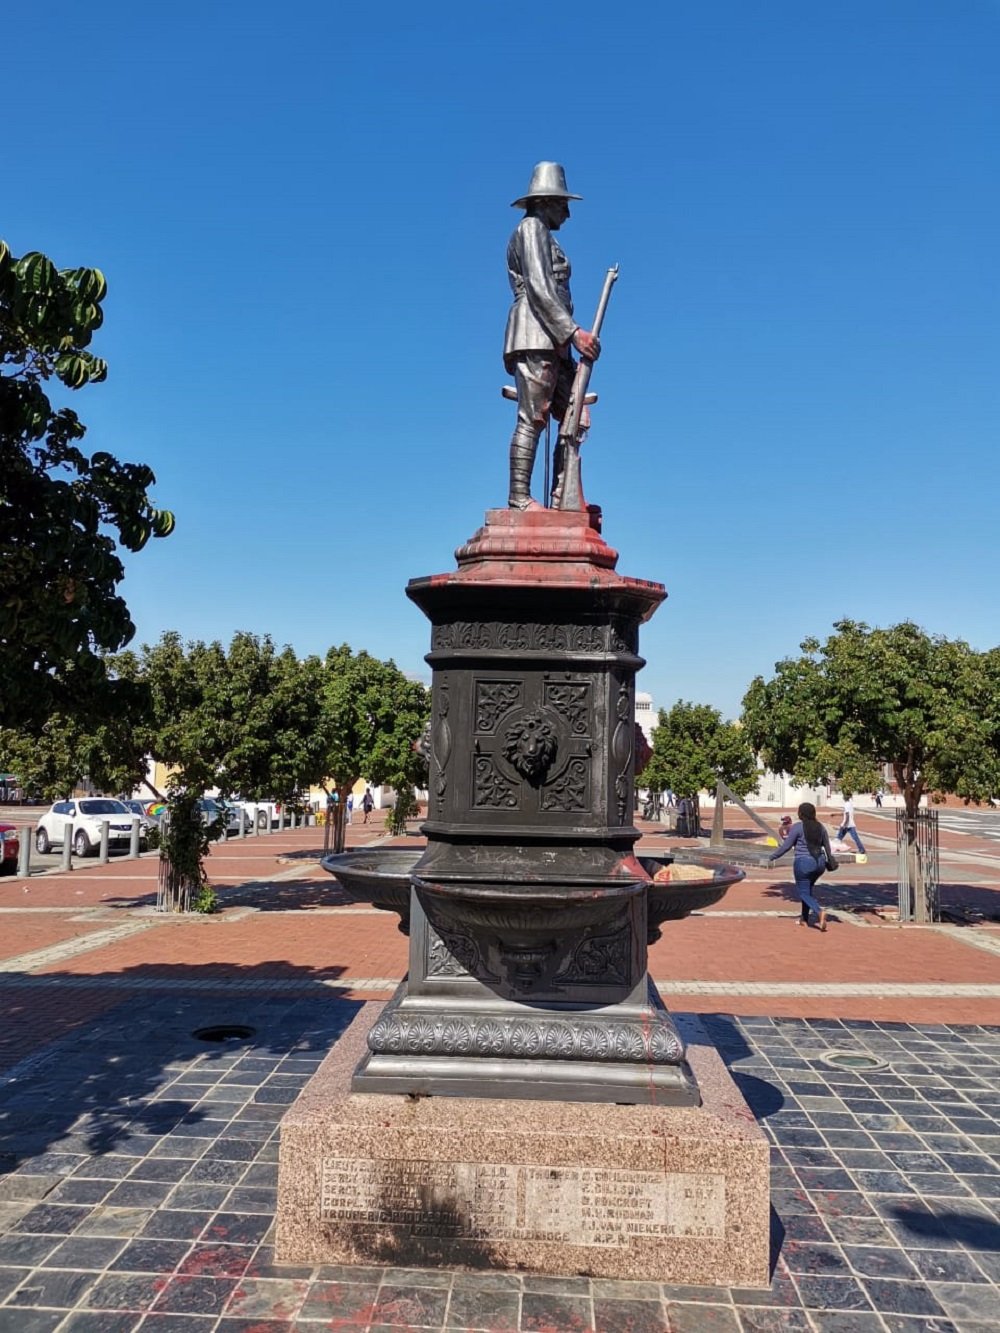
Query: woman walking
[{"x": 812, "y": 856}]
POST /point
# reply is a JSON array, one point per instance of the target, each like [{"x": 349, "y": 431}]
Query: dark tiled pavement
[{"x": 140, "y": 1171}]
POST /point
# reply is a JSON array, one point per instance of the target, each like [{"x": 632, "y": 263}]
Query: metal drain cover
[
  {"x": 224, "y": 1032},
  {"x": 853, "y": 1060}
]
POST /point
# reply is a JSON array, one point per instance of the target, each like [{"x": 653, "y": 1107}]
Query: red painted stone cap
[{"x": 521, "y": 548}]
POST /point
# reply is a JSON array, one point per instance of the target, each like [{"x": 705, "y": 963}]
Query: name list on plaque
[{"x": 470, "y": 1200}]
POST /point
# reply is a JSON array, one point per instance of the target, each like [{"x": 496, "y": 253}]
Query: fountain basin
[
  {"x": 379, "y": 876},
  {"x": 382, "y": 876},
  {"x": 677, "y": 898}
]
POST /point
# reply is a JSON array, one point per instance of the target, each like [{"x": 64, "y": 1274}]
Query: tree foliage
[
  {"x": 693, "y": 749},
  {"x": 926, "y": 705},
  {"x": 258, "y": 721},
  {"x": 52, "y": 761},
  {"x": 246, "y": 720},
  {"x": 373, "y": 717},
  {"x": 63, "y": 513}
]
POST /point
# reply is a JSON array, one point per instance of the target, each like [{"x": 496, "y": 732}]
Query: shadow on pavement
[{"x": 124, "y": 1075}]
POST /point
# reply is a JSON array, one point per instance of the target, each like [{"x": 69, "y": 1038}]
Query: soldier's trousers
[{"x": 544, "y": 383}]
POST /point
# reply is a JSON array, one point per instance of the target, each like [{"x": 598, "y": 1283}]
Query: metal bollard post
[
  {"x": 133, "y": 842},
  {"x": 243, "y": 824},
  {"x": 67, "y": 847},
  {"x": 281, "y": 820},
  {"x": 295, "y": 819},
  {"x": 103, "y": 857},
  {"x": 24, "y": 852}
]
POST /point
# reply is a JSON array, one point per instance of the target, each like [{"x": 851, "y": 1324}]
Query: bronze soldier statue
[{"x": 540, "y": 327}]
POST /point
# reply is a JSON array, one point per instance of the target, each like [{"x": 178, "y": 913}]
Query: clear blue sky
[{"x": 302, "y": 212}]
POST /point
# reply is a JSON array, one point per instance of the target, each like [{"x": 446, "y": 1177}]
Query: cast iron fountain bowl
[
  {"x": 380, "y": 877},
  {"x": 525, "y": 908},
  {"x": 675, "y": 898}
]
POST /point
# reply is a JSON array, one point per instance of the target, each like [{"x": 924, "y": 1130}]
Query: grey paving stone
[
  {"x": 755, "y": 1319},
  {"x": 968, "y": 1301},
  {"x": 85, "y": 1252},
  {"x": 17, "y": 1319},
  {"x": 610, "y": 1316},
  {"x": 424, "y": 1307},
  {"x": 698, "y": 1318},
  {"x": 52, "y": 1287},
  {"x": 894, "y": 1297}
]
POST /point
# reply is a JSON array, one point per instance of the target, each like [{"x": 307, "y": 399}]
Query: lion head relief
[{"x": 529, "y": 745}]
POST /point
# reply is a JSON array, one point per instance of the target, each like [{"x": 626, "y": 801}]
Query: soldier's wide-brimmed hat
[{"x": 548, "y": 181}]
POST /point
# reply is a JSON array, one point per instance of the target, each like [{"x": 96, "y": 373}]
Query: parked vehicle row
[
  {"x": 81, "y": 821},
  {"x": 83, "y": 817}
]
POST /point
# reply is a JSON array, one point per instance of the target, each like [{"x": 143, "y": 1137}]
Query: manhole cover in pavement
[
  {"x": 224, "y": 1032},
  {"x": 853, "y": 1060}
]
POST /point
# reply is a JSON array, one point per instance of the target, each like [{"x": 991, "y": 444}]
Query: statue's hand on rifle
[{"x": 586, "y": 344}]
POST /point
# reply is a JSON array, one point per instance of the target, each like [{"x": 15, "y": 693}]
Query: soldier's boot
[
  {"x": 522, "y": 462},
  {"x": 558, "y": 465}
]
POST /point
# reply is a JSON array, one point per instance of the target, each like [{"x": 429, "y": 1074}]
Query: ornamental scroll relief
[
  {"x": 600, "y": 960},
  {"x": 531, "y": 637},
  {"x": 572, "y": 700},
  {"x": 622, "y": 743},
  {"x": 656, "y": 1042},
  {"x": 451, "y": 954},
  {"x": 490, "y": 789},
  {"x": 441, "y": 742},
  {"x": 494, "y": 698}
]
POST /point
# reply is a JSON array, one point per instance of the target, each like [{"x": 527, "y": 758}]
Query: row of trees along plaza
[
  {"x": 253, "y": 719},
  {"x": 926, "y": 706}
]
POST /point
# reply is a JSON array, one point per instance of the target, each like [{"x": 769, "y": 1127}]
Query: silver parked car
[{"x": 231, "y": 815}]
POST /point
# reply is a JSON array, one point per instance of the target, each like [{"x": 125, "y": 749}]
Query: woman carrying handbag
[{"x": 813, "y": 856}]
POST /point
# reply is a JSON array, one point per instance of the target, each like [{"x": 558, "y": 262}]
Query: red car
[{"x": 10, "y": 845}]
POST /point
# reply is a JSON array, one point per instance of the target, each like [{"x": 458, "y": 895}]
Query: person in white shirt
[{"x": 848, "y": 828}]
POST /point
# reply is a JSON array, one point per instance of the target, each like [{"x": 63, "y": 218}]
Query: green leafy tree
[
  {"x": 246, "y": 720},
  {"x": 373, "y": 718},
  {"x": 55, "y": 759},
  {"x": 926, "y": 705},
  {"x": 693, "y": 749},
  {"x": 63, "y": 514}
]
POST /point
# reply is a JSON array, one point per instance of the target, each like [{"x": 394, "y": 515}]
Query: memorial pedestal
[{"x": 661, "y": 1193}]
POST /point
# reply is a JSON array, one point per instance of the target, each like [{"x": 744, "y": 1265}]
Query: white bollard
[
  {"x": 103, "y": 857},
  {"x": 133, "y": 843}
]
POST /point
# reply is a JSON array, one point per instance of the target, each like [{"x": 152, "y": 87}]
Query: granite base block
[{"x": 668, "y": 1194}]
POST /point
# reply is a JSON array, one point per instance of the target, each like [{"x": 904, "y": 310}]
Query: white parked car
[
  {"x": 85, "y": 815},
  {"x": 263, "y": 814}
]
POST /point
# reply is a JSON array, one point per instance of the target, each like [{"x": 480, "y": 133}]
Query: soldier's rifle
[{"x": 570, "y": 492}]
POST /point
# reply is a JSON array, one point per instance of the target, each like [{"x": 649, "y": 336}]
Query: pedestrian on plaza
[
  {"x": 367, "y": 804},
  {"x": 813, "y": 856},
  {"x": 878, "y": 799},
  {"x": 671, "y": 800},
  {"x": 847, "y": 824}
]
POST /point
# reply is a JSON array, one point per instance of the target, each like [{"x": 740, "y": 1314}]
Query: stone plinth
[{"x": 662, "y": 1193}]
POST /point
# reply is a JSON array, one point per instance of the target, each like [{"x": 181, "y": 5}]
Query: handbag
[{"x": 831, "y": 861}]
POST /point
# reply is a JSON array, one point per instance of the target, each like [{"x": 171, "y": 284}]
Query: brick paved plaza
[{"x": 139, "y": 1163}]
